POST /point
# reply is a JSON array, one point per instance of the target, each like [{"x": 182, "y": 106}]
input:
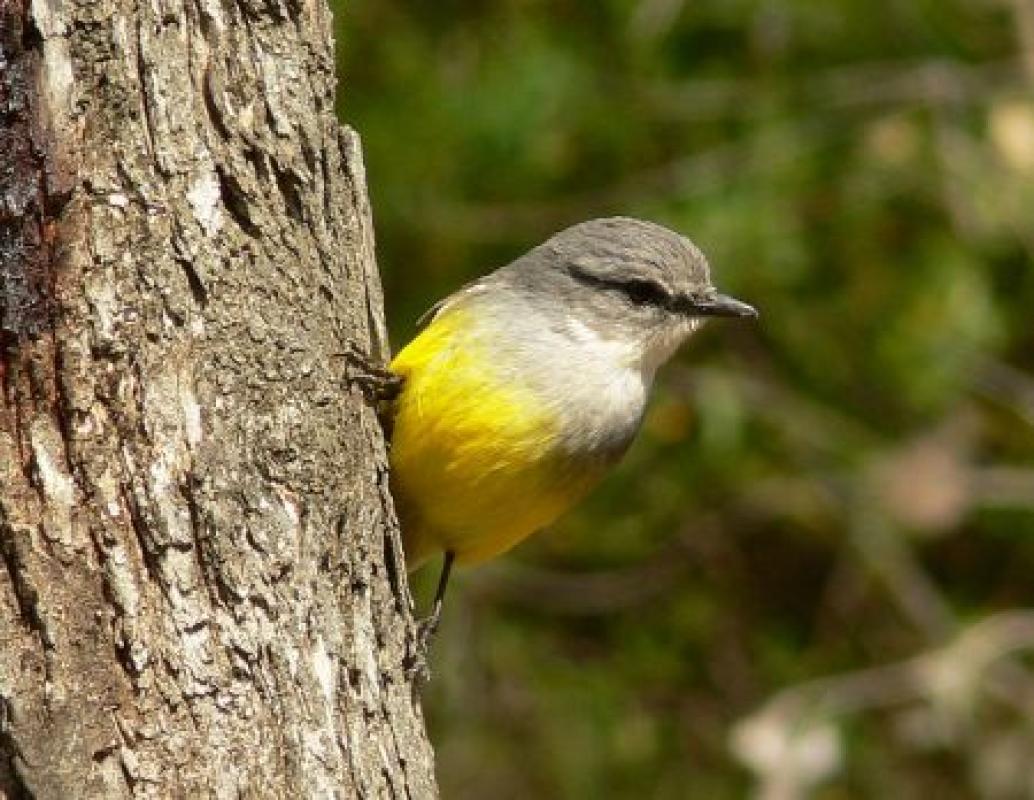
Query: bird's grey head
[{"x": 625, "y": 281}]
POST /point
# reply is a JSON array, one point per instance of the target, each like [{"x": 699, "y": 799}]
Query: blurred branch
[
  {"x": 1006, "y": 385},
  {"x": 936, "y": 83},
  {"x": 1007, "y": 487},
  {"x": 653, "y": 18},
  {"x": 927, "y": 83},
  {"x": 887, "y": 554},
  {"x": 588, "y": 594},
  {"x": 821, "y": 427},
  {"x": 792, "y": 743}
]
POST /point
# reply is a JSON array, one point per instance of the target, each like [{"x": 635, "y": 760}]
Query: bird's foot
[
  {"x": 418, "y": 664},
  {"x": 377, "y": 382}
]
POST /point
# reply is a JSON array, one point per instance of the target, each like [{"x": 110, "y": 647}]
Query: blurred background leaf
[{"x": 815, "y": 501}]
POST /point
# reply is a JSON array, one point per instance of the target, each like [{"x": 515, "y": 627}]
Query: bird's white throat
[{"x": 645, "y": 352}]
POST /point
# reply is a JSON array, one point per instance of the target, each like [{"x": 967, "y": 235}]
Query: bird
[{"x": 524, "y": 387}]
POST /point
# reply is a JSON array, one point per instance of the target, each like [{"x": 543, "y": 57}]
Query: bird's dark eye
[
  {"x": 638, "y": 290},
  {"x": 643, "y": 292}
]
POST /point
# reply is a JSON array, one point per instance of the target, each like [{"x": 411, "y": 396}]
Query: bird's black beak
[{"x": 719, "y": 305}]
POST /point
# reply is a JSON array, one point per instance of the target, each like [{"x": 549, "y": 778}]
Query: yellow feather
[{"x": 474, "y": 464}]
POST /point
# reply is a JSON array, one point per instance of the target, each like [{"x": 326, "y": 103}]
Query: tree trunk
[{"x": 202, "y": 591}]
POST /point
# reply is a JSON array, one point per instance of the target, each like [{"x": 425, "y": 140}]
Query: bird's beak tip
[{"x": 724, "y": 306}]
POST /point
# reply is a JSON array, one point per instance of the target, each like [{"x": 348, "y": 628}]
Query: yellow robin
[{"x": 524, "y": 387}]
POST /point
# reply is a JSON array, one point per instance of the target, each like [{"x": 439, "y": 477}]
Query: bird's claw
[
  {"x": 418, "y": 662},
  {"x": 377, "y": 382}
]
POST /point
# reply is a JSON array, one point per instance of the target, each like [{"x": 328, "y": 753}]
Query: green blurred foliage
[{"x": 846, "y": 484}]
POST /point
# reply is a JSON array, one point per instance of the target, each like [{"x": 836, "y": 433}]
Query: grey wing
[{"x": 465, "y": 291}]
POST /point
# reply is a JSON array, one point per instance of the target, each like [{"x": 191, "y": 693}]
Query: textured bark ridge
[{"x": 201, "y": 587}]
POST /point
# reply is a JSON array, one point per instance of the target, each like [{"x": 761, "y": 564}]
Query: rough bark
[{"x": 201, "y": 590}]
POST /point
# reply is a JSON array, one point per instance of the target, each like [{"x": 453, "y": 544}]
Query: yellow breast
[{"x": 475, "y": 463}]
